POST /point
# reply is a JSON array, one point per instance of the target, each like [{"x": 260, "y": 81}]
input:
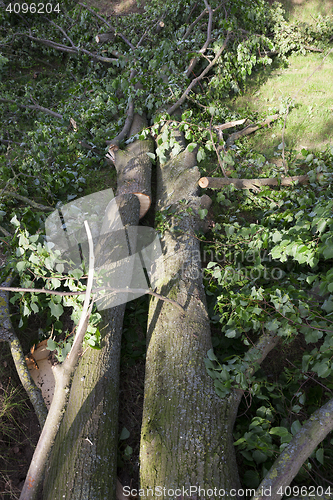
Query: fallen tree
[
  {"x": 181, "y": 404},
  {"x": 76, "y": 467},
  {"x": 183, "y": 441}
]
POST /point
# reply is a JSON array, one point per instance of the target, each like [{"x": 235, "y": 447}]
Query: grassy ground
[
  {"x": 307, "y": 79},
  {"x": 310, "y": 123},
  {"x": 305, "y": 10}
]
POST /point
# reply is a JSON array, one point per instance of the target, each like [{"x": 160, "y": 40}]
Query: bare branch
[
  {"x": 147, "y": 291},
  {"x": 180, "y": 101},
  {"x": 62, "y": 31},
  {"x": 225, "y": 126},
  {"x": 219, "y": 182},
  {"x": 289, "y": 462},
  {"x": 190, "y": 28},
  {"x": 72, "y": 50},
  {"x": 63, "y": 375},
  {"x": 35, "y": 107},
  {"x": 208, "y": 39},
  {"x": 216, "y": 151},
  {"x": 252, "y": 127},
  {"x": 32, "y": 203},
  {"x": 5, "y": 232}
]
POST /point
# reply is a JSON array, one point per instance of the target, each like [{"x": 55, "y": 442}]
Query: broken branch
[
  {"x": 219, "y": 182},
  {"x": 180, "y": 101}
]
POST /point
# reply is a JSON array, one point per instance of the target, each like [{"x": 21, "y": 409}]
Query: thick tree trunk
[
  {"x": 186, "y": 438},
  {"x": 83, "y": 463}
]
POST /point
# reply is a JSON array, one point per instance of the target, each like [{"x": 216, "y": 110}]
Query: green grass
[
  {"x": 309, "y": 124},
  {"x": 306, "y": 10}
]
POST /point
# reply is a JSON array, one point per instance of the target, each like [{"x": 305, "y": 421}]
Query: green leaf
[
  {"x": 21, "y": 266},
  {"x": 320, "y": 455},
  {"x": 124, "y": 434},
  {"x": 201, "y": 155},
  {"x": 56, "y": 309},
  {"x": 259, "y": 456},
  {"x": 51, "y": 345},
  {"x": 251, "y": 479},
  {"x": 279, "y": 431},
  {"x": 34, "y": 307},
  {"x": 295, "y": 427},
  {"x": 202, "y": 213},
  {"x": 151, "y": 155},
  {"x": 191, "y": 147},
  {"x": 55, "y": 282},
  {"x": 211, "y": 355}
]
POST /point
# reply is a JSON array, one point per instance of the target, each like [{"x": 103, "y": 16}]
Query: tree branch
[
  {"x": 289, "y": 462},
  {"x": 35, "y": 107},
  {"x": 147, "y": 291},
  {"x": 180, "y": 101},
  {"x": 63, "y": 375},
  {"x": 7, "y": 333},
  {"x": 208, "y": 39},
  {"x": 71, "y": 50},
  {"x": 219, "y": 182},
  {"x": 108, "y": 24},
  {"x": 32, "y": 203},
  {"x": 252, "y": 127}
]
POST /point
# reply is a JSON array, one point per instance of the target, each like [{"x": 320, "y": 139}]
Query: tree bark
[
  {"x": 84, "y": 459},
  {"x": 220, "y": 182},
  {"x": 186, "y": 438}
]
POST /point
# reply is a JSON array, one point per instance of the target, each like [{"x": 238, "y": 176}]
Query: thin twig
[
  {"x": 71, "y": 50},
  {"x": 144, "y": 291},
  {"x": 190, "y": 28},
  {"x": 216, "y": 151},
  {"x": 62, "y": 31}
]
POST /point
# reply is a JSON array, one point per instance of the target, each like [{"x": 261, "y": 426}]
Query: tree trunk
[
  {"x": 186, "y": 438},
  {"x": 83, "y": 463}
]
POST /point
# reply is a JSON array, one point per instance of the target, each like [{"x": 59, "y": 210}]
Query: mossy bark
[
  {"x": 84, "y": 458},
  {"x": 186, "y": 438},
  {"x": 83, "y": 463}
]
